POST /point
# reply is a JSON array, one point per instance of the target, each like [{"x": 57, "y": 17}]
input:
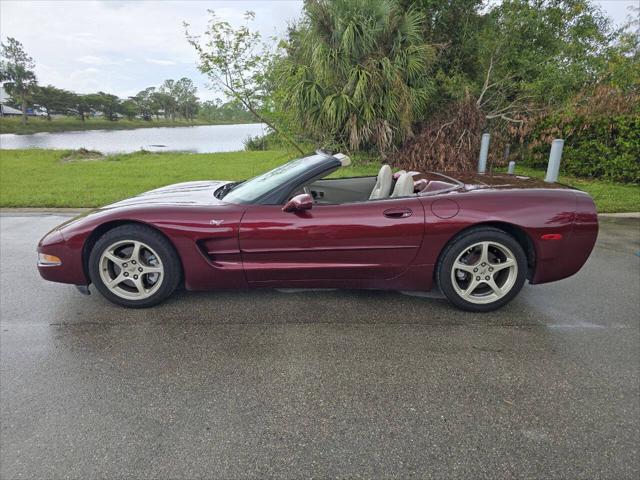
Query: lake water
[{"x": 198, "y": 139}]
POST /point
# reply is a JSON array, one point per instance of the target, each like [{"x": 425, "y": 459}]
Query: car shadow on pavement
[{"x": 290, "y": 306}]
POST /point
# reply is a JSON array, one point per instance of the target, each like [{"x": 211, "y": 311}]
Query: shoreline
[{"x": 103, "y": 125}]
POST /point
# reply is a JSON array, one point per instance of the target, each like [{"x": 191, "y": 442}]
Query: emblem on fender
[{"x": 217, "y": 223}]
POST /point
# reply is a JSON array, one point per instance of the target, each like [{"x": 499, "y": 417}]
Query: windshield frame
[{"x": 317, "y": 164}]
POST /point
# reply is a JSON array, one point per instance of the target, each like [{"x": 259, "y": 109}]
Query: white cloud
[
  {"x": 135, "y": 44},
  {"x": 95, "y": 60},
  {"x": 618, "y": 10},
  {"x": 156, "y": 61}
]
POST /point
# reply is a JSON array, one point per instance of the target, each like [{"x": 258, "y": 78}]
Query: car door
[{"x": 363, "y": 240}]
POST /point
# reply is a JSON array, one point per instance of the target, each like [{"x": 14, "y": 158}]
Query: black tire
[
  {"x": 155, "y": 240},
  {"x": 462, "y": 243}
]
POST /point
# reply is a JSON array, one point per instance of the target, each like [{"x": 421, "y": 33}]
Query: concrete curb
[
  {"x": 620, "y": 215},
  {"x": 42, "y": 211}
]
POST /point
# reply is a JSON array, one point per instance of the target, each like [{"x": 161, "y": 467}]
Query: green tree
[
  {"x": 16, "y": 70},
  {"x": 52, "y": 99},
  {"x": 129, "y": 109},
  {"x": 538, "y": 53},
  {"x": 162, "y": 104},
  {"x": 622, "y": 68},
  {"x": 358, "y": 73},
  {"x": 166, "y": 98},
  {"x": 108, "y": 104},
  {"x": 452, "y": 26},
  {"x": 79, "y": 105},
  {"x": 145, "y": 103},
  {"x": 228, "y": 112},
  {"x": 185, "y": 98},
  {"x": 237, "y": 60}
]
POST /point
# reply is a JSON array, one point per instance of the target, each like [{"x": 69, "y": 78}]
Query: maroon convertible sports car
[{"x": 478, "y": 237}]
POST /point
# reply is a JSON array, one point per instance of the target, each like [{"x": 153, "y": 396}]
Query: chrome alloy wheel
[
  {"x": 131, "y": 269},
  {"x": 484, "y": 272}
]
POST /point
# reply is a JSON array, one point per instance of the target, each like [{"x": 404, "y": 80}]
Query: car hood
[
  {"x": 177, "y": 195},
  {"x": 187, "y": 193}
]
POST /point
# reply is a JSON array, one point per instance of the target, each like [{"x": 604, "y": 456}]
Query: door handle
[{"x": 397, "y": 213}]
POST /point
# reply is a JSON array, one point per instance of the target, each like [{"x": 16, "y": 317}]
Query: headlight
[{"x": 46, "y": 260}]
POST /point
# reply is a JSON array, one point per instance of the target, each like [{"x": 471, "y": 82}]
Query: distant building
[{"x": 6, "y": 110}]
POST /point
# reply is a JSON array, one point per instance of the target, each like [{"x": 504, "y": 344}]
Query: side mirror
[{"x": 299, "y": 203}]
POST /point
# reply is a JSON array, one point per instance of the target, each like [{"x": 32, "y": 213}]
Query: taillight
[{"x": 551, "y": 236}]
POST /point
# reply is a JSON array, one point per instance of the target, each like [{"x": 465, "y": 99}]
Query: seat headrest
[
  {"x": 382, "y": 187},
  {"x": 404, "y": 186}
]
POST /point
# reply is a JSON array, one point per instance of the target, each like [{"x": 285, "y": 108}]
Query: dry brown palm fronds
[{"x": 449, "y": 142}]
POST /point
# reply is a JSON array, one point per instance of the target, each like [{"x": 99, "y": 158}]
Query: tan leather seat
[
  {"x": 382, "y": 187},
  {"x": 404, "y": 185}
]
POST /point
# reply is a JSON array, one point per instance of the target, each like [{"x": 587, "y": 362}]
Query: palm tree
[{"x": 357, "y": 72}]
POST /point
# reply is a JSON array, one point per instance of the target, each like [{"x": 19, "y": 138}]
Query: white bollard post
[
  {"x": 512, "y": 167},
  {"x": 484, "y": 153},
  {"x": 553, "y": 169}
]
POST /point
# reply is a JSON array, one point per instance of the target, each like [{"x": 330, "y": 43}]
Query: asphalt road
[{"x": 319, "y": 384}]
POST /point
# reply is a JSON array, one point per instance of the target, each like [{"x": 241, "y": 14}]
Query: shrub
[
  {"x": 272, "y": 141},
  {"x": 604, "y": 146},
  {"x": 601, "y": 130},
  {"x": 259, "y": 142}
]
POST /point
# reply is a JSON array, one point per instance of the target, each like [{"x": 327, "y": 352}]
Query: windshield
[{"x": 253, "y": 189}]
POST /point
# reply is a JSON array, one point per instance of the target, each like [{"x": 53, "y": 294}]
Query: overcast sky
[{"x": 122, "y": 47}]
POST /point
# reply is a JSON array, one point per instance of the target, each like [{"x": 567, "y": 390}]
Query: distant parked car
[
  {"x": 478, "y": 237},
  {"x": 35, "y": 112}
]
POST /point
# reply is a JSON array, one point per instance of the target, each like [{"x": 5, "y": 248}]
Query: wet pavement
[{"x": 319, "y": 384}]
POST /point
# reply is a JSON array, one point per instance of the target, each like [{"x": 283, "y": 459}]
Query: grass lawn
[
  {"x": 609, "y": 197},
  {"x": 59, "y": 178},
  {"x": 54, "y": 178},
  {"x": 63, "y": 124}
]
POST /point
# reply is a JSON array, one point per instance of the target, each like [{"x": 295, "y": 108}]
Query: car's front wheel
[
  {"x": 482, "y": 269},
  {"x": 134, "y": 266}
]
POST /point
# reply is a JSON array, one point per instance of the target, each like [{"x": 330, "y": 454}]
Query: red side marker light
[{"x": 551, "y": 236}]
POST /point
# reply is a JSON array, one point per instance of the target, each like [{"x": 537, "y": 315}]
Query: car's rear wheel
[
  {"x": 134, "y": 266},
  {"x": 482, "y": 269}
]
